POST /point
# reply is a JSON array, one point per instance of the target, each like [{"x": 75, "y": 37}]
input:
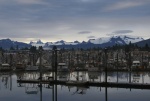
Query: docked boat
[
  {"x": 45, "y": 65},
  {"x": 5, "y": 67},
  {"x": 62, "y": 67},
  {"x": 31, "y": 68},
  {"x": 92, "y": 69},
  {"x": 63, "y": 76},
  {"x": 136, "y": 65},
  {"x": 20, "y": 66},
  {"x": 93, "y": 76}
]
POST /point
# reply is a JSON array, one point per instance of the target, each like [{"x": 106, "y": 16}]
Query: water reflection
[
  {"x": 5, "y": 80},
  {"x": 57, "y": 92},
  {"x": 124, "y": 77}
]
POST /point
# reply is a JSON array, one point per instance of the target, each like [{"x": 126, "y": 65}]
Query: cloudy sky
[{"x": 70, "y": 20}]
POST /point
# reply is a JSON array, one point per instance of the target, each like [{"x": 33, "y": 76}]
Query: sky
[{"x": 71, "y": 20}]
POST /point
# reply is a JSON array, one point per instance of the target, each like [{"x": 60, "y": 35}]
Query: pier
[{"x": 89, "y": 84}]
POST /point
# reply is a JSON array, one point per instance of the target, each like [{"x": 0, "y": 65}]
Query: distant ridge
[
  {"x": 143, "y": 43},
  {"x": 7, "y": 44}
]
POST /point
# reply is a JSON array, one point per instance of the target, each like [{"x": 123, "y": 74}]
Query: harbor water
[{"x": 11, "y": 90}]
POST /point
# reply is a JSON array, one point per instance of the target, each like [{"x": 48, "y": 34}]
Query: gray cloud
[
  {"x": 84, "y": 32},
  {"x": 123, "y": 5},
  {"x": 118, "y": 32},
  {"x": 89, "y": 37},
  {"x": 63, "y": 19},
  {"x": 122, "y": 31}
]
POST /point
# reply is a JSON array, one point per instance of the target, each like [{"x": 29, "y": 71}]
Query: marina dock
[{"x": 90, "y": 84}]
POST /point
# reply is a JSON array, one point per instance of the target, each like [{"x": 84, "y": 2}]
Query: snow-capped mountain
[
  {"x": 37, "y": 44},
  {"x": 123, "y": 39},
  {"x": 61, "y": 42},
  {"x": 100, "y": 42}
]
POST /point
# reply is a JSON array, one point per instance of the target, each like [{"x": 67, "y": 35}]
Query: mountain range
[{"x": 99, "y": 42}]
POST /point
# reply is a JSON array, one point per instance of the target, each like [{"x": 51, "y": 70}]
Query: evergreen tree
[
  {"x": 40, "y": 48},
  {"x": 146, "y": 47},
  {"x": 1, "y": 49},
  {"x": 25, "y": 48},
  {"x": 33, "y": 49},
  {"x": 12, "y": 48}
]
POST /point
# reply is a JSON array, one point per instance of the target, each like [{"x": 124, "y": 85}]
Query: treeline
[
  {"x": 32, "y": 49},
  {"x": 127, "y": 48}
]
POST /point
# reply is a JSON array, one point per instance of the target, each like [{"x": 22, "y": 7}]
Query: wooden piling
[{"x": 105, "y": 65}]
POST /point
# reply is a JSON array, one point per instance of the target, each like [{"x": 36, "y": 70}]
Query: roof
[
  {"x": 61, "y": 63},
  {"x": 136, "y": 61}
]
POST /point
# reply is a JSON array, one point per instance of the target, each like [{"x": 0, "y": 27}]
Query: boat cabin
[
  {"x": 136, "y": 64},
  {"x": 5, "y": 66},
  {"x": 62, "y": 67}
]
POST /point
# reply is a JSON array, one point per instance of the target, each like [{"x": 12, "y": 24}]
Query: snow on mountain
[
  {"x": 62, "y": 42},
  {"x": 72, "y": 43},
  {"x": 122, "y": 39},
  {"x": 48, "y": 44},
  {"x": 132, "y": 39},
  {"x": 100, "y": 40},
  {"x": 118, "y": 39},
  {"x": 37, "y": 44}
]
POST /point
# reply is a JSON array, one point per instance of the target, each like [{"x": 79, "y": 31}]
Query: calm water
[{"x": 10, "y": 90}]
